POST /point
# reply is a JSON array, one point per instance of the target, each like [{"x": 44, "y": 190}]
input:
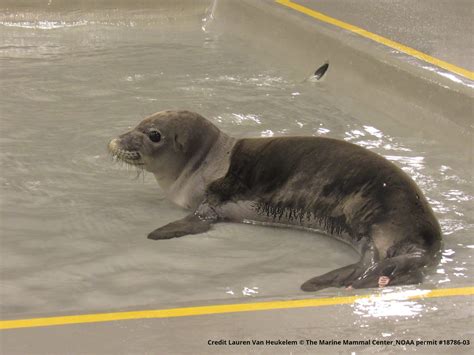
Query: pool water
[{"x": 74, "y": 224}]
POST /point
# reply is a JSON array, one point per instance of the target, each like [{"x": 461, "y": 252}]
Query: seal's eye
[{"x": 154, "y": 136}]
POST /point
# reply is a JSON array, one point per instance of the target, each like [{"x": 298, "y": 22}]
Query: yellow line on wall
[
  {"x": 225, "y": 308},
  {"x": 379, "y": 39}
]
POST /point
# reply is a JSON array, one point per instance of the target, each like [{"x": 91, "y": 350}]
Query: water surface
[{"x": 74, "y": 224}]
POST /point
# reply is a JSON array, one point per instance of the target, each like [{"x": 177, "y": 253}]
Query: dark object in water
[{"x": 321, "y": 71}]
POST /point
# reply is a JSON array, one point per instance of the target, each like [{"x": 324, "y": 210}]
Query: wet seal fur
[{"x": 314, "y": 183}]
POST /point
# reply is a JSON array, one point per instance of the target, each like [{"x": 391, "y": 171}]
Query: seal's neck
[{"x": 205, "y": 166}]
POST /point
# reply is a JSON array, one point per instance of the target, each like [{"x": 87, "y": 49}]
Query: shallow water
[{"x": 74, "y": 224}]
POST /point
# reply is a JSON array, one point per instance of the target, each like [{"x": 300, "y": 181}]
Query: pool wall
[
  {"x": 436, "y": 103},
  {"x": 429, "y": 99}
]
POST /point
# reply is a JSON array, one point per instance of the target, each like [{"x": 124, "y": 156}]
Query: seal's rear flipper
[
  {"x": 336, "y": 278},
  {"x": 191, "y": 224},
  {"x": 398, "y": 270},
  {"x": 343, "y": 276}
]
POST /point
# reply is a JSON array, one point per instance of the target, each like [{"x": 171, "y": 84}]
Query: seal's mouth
[{"x": 131, "y": 157}]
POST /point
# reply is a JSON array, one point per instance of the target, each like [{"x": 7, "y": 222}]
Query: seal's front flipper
[{"x": 191, "y": 224}]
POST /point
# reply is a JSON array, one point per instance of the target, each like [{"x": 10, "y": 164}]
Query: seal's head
[{"x": 165, "y": 143}]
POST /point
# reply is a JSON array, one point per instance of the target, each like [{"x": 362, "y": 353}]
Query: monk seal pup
[{"x": 315, "y": 183}]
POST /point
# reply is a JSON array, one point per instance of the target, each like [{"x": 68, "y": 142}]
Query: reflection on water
[
  {"x": 449, "y": 75},
  {"x": 43, "y": 25},
  {"x": 391, "y": 304},
  {"x": 252, "y": 291},
  {"x": 73, "y": 224},
  {"x": 239, "y": 119}
]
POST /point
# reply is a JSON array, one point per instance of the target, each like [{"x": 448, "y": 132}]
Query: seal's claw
[{"x": 384, "y": 281}]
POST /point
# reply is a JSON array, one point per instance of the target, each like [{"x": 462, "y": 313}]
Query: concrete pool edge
[{"x": 379, "y": 39}]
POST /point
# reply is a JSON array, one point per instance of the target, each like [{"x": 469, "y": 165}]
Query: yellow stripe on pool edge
[
  {"x": 214, "y": 309},
  {"x": 379, "y": 39}
]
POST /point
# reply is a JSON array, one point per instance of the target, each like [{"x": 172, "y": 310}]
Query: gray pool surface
[
  {"x": 439, "y": 28},
  {"x": 73, "y": 223}
]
